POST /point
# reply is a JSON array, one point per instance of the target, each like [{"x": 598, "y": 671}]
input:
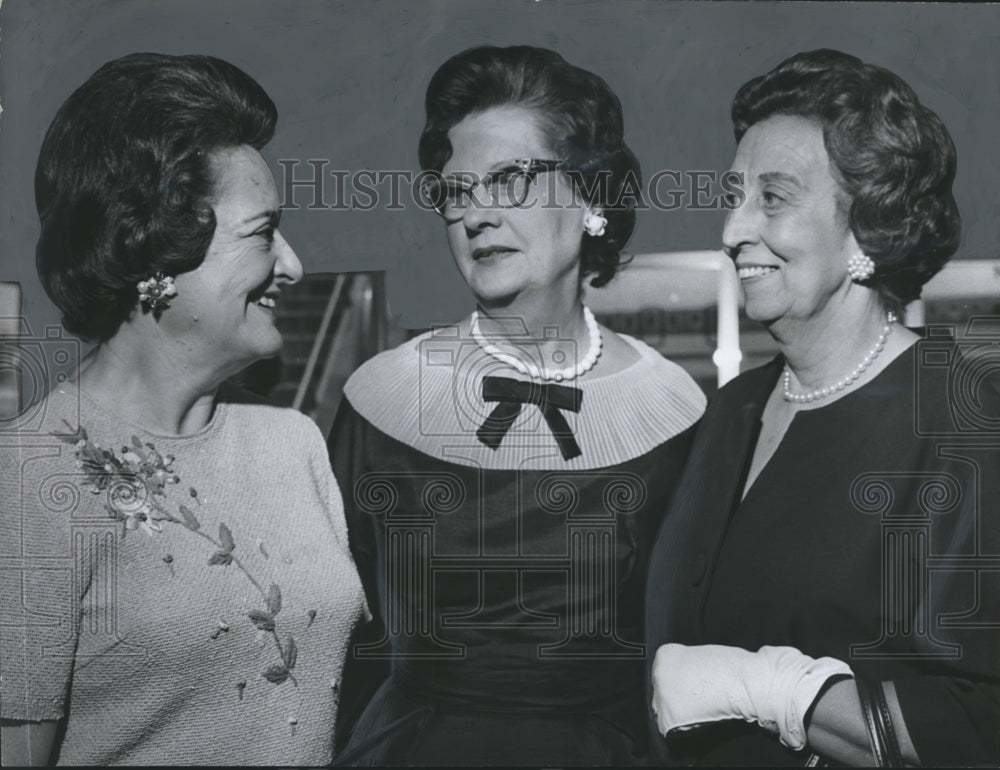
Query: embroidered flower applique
[{"x": 135, "y": 483}]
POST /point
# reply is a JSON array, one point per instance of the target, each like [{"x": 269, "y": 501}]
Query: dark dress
[
  {"x": 871, "y": 536},
  {"x": 507, "y": 584}
]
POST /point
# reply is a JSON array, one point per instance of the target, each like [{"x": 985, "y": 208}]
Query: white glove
[{"x": 774, "y": 687}]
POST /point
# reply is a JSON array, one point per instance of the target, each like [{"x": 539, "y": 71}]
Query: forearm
[
  {"x": 26, "y": 744},
  {"x": 811, "y": 703},
  {"x": 837, "y": 729}
]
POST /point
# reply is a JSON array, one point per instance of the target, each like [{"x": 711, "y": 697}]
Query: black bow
[{"x": 549, "y": 398}]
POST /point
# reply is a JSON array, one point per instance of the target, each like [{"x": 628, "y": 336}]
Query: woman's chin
[
  {"x": 762, "y": 312},
  {"x": 494, "y": 296},
  {"x": 263, "y": 347}
]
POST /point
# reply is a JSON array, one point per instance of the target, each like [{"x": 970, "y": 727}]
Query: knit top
[{"x": 196, "y": 607}]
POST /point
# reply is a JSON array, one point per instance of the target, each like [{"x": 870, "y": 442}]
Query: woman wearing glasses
[{"x": 504, "y": 476}]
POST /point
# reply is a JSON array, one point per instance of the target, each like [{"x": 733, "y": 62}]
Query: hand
[{"x": 773, "y": 687}]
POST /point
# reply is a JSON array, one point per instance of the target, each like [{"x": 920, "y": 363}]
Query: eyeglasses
[{"x": 506, "y": 187}]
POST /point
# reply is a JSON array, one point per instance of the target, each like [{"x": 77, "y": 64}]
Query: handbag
[{"x": 878, "y": 722}]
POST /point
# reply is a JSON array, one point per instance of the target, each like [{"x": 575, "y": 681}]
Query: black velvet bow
[{"x": 549, "y": 398}]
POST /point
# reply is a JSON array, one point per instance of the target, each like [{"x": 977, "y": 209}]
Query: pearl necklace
[
  {"x": 529, "y": 369},
  {"x": 819, "y": 393}
]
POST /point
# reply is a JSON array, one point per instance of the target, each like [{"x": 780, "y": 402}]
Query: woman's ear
[{"x": 852, "y": 243}]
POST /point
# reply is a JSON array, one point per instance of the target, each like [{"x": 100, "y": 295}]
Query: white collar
[{"x": 427, "y": 393}]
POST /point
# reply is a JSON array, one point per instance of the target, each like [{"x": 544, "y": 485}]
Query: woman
[
  {"x": 508, "y": 472},
  {"x": 177, "y": 583},
  {"x": 821, "y": 554}
]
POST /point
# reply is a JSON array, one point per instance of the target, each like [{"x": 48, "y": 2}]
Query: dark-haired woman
[
  {"x": 506, "y": 474},
  {"x": 823, "y": 587},
  {"x": 177, "y": 587}
]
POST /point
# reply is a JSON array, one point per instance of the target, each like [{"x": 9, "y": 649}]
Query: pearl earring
[
  {"x": 860, "y": 267},
  {"x": 594, "y": 224}
]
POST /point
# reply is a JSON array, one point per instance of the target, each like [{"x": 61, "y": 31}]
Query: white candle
[{"x": 727, "y": 354}]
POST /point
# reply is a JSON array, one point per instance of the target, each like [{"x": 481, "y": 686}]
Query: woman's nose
[
  {"x": 481, "y": 211},
  {"x": 740, "y": 228},
  {"x": 287, "y": 265}
]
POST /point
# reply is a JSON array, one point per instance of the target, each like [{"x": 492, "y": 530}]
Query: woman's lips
[
  {"x": 754, "y": 271},
  {"x": 484, "y": 252},
  {"x": 266, "y": 294},
  {"x": 266, "y": 299}
]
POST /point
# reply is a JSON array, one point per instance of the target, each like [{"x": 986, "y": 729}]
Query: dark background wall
[{"x": 349, "y": 78}]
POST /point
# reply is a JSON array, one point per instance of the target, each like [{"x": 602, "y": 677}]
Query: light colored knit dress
[{"x": 219, "y": 639}]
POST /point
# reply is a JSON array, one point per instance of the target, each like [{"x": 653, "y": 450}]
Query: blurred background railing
[
  {"x": 330, "y": 324},
  {"x": 10, "y": 312},
  {"x": 683, "y": 304}
]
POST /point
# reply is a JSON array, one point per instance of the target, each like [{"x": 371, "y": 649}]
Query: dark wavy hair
[
  {"x": 578, "y": 109},
  {"x": 892, "y": 156},
  {"x": 124, "y": 178}
]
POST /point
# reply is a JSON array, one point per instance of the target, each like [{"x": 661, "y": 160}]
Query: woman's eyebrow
[
  {"x": 273, "y": 215},
  {"x": 463, "y": 177},
  {"x": 780, "y": 176}
]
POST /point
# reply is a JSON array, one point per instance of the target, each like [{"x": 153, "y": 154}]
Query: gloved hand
[{"x": 774, "y": 687}]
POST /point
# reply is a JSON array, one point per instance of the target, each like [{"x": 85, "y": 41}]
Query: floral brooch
[{"x": 135, "y": 481}]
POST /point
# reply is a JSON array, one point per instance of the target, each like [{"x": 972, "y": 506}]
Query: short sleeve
[
  {"x": 331, "y": 492},
  {"x": 346, "y": 453},
  {"x": 326, "y": 484},
  {"x": 43, "y": 576},
  {"x": 362, "y": 677}
]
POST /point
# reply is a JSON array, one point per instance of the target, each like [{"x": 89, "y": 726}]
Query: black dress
[
  {"x": 507, "y": 584},
  {"x": 872, "y": 536}
]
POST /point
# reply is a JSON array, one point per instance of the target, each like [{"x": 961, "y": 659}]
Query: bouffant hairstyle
[
  {"x": 579, "y": 111},
  {"x": 892, "y": 156},
  {"x": 124, "y": 178}
]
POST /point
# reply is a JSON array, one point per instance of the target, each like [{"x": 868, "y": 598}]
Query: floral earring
[
  {"x": 155, "y": 293},
  {"x": 594, "y": 224}
]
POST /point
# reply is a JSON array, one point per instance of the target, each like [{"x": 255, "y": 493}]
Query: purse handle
[{"x": 878, "y": 721}]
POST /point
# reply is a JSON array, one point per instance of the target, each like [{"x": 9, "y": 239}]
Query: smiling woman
[
  {"x": 226, "y": 304},
  {"x": 169, "y": 597},
  {"x": 800, "y": 618},
  {"x": 791, "y": 236}
]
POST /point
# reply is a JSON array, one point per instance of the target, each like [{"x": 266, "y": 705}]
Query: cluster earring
[
  {"x": 595, "y": 224},
  {"x": 155, "y": 292},
  {"x": 860, "y": 267}
]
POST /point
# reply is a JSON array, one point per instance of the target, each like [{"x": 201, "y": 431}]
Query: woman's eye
[
  {"x": 457, "y": 193},
  {"x": 511, "y": 180},
  {"x": 503, "y": 178},
  {"x": 771, "y": 199}
]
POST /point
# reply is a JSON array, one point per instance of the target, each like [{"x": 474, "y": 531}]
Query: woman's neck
[
  {"x": 544, "y": 315},
  {"x": 149, "y": 384},
  {"x": 551, "y": 337},
  {"x": 824, "y": 349}
]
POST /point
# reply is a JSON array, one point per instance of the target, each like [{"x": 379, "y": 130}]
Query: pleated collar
[{"x": 427, "y": 393}]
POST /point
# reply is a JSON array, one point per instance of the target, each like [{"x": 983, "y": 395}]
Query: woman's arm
[
  {"x": 811, "y": 703},
  {"x": 837, "y": 729},
  {"x": 26, "y": 744},
  {"x": 34, "y": 684}
]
